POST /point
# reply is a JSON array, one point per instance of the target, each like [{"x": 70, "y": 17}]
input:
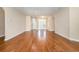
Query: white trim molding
[
  {"x": 2, "y": 35},
  {"x": 62, "y": 35},
  {"x": 76, "y": 40}
]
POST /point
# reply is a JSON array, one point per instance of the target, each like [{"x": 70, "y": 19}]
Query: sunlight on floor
[{"x": 41, "y": 34}]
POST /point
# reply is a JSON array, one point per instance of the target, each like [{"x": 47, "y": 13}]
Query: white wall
[
  {"x": 2, "y": 22},
  {"x": 50, "y": 23},
  {"x": 62, "y": 22},
  {"x": 74, "y": 23},
  {"x": 14, "y": 23},
  {"x": 28, "y": 23},
  {"x": 66, "y": 23}
]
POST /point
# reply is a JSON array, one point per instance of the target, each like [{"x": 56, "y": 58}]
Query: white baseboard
[
  {"x": 62, "y": 35},
  {"x": 50, "y": 30},
  {"x": 28, "y": 30},
  {"x": 10, "y": 37},
  {"x": 2, "y": 35},
  {"x": 76, "y": 40}
]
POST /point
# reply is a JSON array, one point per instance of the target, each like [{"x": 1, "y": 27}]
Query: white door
[
  {"x": 38, "y": 24},
  {"x": 42, "y": 24}
]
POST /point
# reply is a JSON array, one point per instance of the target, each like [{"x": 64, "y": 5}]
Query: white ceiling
[{"x": 38, "y": 11}]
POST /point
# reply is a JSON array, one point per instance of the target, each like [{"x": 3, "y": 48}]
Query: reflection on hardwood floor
[{"x": 38, "y": 41}]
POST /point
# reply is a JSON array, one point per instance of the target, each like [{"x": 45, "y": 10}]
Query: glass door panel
[
  {"x": 38, "y": 24},
  {"x": 41, "y": 24}
]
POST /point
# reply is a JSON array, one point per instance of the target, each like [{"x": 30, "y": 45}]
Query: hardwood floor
[
  {"x": 39, "y": 41},
  {"x": 2, "y": 40}
]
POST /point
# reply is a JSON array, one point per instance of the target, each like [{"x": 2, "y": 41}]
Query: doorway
[
  {"x": 39, "y": 26},
  {"x": 39, "y": 23}
]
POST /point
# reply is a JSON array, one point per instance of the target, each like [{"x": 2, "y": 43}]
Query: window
[
  {"x": 39, "y": 23},
  {"x": 42, "y": 24}
]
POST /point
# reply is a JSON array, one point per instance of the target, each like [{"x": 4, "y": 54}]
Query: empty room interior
[{"x": 39, "y": 29}]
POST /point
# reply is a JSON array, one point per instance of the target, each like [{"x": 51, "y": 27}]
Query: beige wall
[
  {"x": 66, "y": 23},
  {"x": 50, "y": 23},
  {"x": 2, "y": 22},
  {"x": 14, "y": 23},
  {"x": 62, "y": 22},
  {"x": 74, "y": 23},
  {"x": 28, "y": 23}
]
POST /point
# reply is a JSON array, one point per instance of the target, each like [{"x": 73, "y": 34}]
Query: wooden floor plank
[{"x": 39, "y": 41}]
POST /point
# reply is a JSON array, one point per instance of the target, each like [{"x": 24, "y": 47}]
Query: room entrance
[
  {"x": 39, "y": 23},
  {"x": 39, "y": 26}
]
